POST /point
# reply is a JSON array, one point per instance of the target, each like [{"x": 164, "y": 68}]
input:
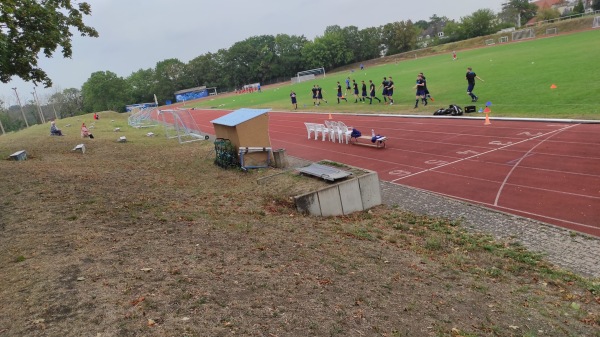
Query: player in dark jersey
[
  {"x": 384, "y": 85},
  {"x": 339, "y": 93},
  {"x": 471, "y": 76},
  {"x": 355, "y": 90},
  {"x": 363, "y": 90},
  {"x": 427, "y": 95},
  {"x": 372, "y": 92},
  {"x": 390, "y": 90},
  {"x": 420, "y": 90},
  {"x": 320, "y": 95},
  {"x": 314, "y": 94},
  {"x": 294, "y": 101}
]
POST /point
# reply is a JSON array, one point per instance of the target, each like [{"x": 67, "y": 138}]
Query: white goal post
[
  {"x": 503, "y": 39},
  {"x": 489, "y": 42},
  {"x": 596, "y": 22},
  {"x": 526, "y": 33},
  {"x": 307, "y": 75},
  {"x": 551, "y": 31}
]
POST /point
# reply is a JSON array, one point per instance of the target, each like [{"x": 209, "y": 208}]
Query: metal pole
[
  {"x": 2, "y": 127},
  {"x": 53, "y": 108},
  {"x": 37, "y": 100},
  {"x": 21, "y": 106}
]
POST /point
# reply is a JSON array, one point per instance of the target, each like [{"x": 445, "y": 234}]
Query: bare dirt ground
[{"x": 150, "y": 238}]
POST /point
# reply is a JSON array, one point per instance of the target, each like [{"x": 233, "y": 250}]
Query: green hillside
[{"x": 517, "y": 78}]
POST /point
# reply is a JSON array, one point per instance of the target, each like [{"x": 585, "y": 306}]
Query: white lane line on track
[
  {"x": 554, "y": 133},
  {"x": 484, "y": 153}
]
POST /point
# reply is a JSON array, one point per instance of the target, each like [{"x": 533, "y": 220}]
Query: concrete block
[
  {"x": 79, "y": 147},
  {"x": 19, "y": 155},
  {"x": 330, "y": 201},
  {"x": 350, "y": 196},
  {"x": 122, "y": 139},
  {"x": 308, "y": 203},
  {"x": 370, "y": 191}
]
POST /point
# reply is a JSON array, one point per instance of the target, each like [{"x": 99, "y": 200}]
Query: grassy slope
[{"x": 517, "y": 78}]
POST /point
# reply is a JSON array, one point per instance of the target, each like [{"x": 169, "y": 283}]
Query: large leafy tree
[
  {"x": 30, "y": 27},
  {"x": 480, "y": 23},
  {"x": 399, "y": 37},
  {"x": 169, "y": 76},
  {"x": 596, "y": 5},
  {"x": 289, "y": 52},
  {"x": 104, "y": 90},
  {"x": 141, "y": 85},
  {"x": 518, "y": 11}
]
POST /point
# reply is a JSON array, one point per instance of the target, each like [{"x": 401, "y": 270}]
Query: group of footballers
[{"x": 422, "y": 93}]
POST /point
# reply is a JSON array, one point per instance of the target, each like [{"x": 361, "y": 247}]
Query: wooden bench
[{"x": 366, "y": 141}]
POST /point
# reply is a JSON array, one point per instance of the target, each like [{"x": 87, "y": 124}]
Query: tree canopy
[{"x": 29, "y": 27}]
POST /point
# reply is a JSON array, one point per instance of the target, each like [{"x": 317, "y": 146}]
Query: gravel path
[{"x": 578, "y": 253}]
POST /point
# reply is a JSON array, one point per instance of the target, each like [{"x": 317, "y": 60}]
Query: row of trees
[{"x": 265, "y": 59}]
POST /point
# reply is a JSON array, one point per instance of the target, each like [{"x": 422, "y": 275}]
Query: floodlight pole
[
  {"x": 37, "y": 101},
  {"x": 21, "y": 106}
]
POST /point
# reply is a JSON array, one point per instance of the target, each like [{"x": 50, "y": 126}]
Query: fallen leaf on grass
[
  {"x": 514, "y": 327},
  {"x": 151, "y": 322},
  {"x": 137, "y": 301},
  {"x": 147, "y": 270}
]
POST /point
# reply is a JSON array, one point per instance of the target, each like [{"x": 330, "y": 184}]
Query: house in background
[{"x": 429, "y": 35}]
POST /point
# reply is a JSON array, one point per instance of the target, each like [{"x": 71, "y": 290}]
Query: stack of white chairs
[
  {"x": 343, "y": 132},
  {"x": 331, "y": 129}
]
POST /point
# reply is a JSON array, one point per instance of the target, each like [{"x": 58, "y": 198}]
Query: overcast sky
[{"x": 136, "y": 34}]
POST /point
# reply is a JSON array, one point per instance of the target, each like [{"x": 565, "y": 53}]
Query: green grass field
[{"x": 517, "y": 78}]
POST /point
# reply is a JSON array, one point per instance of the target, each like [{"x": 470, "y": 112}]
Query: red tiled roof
[{"x": 546, "y": 3}]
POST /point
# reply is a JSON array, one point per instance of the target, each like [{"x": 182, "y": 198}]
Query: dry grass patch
[{"x": 149, "y": 238}]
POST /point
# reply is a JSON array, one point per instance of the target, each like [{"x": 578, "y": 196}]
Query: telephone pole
[{"x": 21, "y": 106}]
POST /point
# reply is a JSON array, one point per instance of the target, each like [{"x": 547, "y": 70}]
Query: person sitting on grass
[
  {"x": 54, "y": 131},
  {"x": 85, "y": 132}
]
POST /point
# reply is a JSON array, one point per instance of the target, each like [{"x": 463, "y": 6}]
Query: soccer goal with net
[
  {"x": 503, "y": 39},
  {"x": 308, "y": 75},
  {"x": 551, "y": 31},
  {"x": 596, "y": 22},
  {"x": 180, "y": 124},
  {"x": 522, "y": 34},
  {"x": 143, "y": 117},
  {"x": 489, "y": 42}
]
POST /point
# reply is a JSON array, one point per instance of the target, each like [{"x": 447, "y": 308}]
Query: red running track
[{"x": 548, "y": 171}]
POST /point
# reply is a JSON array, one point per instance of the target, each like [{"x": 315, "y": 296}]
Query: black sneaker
[{"x": 476, "y": 98}]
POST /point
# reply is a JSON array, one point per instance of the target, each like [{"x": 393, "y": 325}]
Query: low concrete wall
[{"x": 343, "y": 198}]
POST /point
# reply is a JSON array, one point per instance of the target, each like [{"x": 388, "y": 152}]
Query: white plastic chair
[
  {"x": 322, "y": 129},
  {"x": 331, "y": 125},
  {"x": 343, "y": 131},
  {"x": 310, "y": 127}
]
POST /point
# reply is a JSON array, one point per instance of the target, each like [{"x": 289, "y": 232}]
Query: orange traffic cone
[
  {"x": 553, "y": 86},
  {"x": 330, "y": 116},
  {"x": 487, "y": 116}
]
